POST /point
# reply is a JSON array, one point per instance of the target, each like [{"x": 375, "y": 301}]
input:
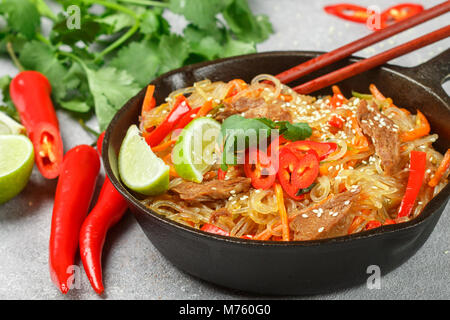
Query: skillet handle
[{"x": 433, "y": 73}]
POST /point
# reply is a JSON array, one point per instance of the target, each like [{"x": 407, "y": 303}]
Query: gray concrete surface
[{"x": 134, "y": 269}]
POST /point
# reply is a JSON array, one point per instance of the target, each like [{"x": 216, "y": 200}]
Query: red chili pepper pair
[
  {"x": 30, "y": 91},
  {"x": 71, "y": 228},
  {"x": 360, "y": 14},
  {"x": 296, "y": 165}
]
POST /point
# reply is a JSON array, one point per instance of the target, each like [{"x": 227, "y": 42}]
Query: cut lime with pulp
[
  {"x": 194, "y": 152},
  {"x": 139, "y": 168},
  {"x": 16, "y": 163}
]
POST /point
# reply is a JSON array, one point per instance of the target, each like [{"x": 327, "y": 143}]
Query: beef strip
[
  {"x": 212, "y": 190},
  {"x": 327, "y": 220},
  {"x": 272, "y": 111},
  {"x": 221, "y": 212},
  {"x": 254, "y": 108},
  {"x": 241, "y": 105},
  {"x": 383, "y": 133}
]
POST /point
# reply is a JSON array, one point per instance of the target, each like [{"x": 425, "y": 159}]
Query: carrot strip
[
  {"x": 422, "y": 129},
  {"x": 207, "y": 106},
  {"x": 237, "y": 85},
  {"x": 149, "y": 100},
  {"x": 376, "y": 93},
  {"x": 282, "y": 210},
  {"x": 163, "y": 146},
  {"x": 443, "y": 166},
  {"x": 357, "y": 221}
]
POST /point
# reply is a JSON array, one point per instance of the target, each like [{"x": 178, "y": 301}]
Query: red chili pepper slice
[
  {"x": 258, "y": 167},
  {"x": 417, "y": 168},
  {"x": 30, "y": 91},
  {"x": 297, "y": 171},
  {"x": 74, "y": 192},
  {"x": 323, "y": 149},
  {"x": 214, "y": 229},
  {"x": 180, "y": 108},
  {"x": 373, "y": 224},
  {"x": 349, "y": 12},
  {"x": 336, "y": 122},
  {"x": 108, "y": 210},
  {"x": 399, "y": 12}
]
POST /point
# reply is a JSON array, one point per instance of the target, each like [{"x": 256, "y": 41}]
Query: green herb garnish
[{"x": 100, "y": 64}]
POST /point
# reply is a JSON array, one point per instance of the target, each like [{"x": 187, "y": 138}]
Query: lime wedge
[
  {"x": 139, "y": 168},
  {"x": 16, "y": 163},
  {"x": 194, "y": 152}
]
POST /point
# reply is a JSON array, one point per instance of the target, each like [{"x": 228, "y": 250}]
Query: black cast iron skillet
[{"x": 299, "y": 267}]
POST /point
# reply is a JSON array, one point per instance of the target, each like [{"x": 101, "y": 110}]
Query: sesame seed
[{"x": 321, "y": 229}]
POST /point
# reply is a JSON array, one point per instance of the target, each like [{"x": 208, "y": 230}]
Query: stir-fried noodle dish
[{"x": 280, "y": 166}]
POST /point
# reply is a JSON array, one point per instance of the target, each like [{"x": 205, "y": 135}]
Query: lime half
[
  {"x": 16, "y": 163},
  {"x": 139, "y": 168},
  {"x": 194, "y": 152},
  {"x": 9, "y": 126}
]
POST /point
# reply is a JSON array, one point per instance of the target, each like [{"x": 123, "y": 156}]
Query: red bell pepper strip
[
  {"x": 187, "y": 118},
  {"x": 74, "y": 192},
  {"x": 388, "y": 222},
  {"x": 214, "y": 229},
  {"x": 221, "y": 174},
  {"x": 108, "y": 210},
  {"x": 297, "y": 172},
  {"x": 30, "y": 91},
  {"x": 323, "y": 149},
  {"x": 372, "y": 224},
  {"x": 258, "y": 167},
  {"x": 348, "y": 12},
  {"x": 180, "y": 108},
  {"x": 416, "y": 174}
]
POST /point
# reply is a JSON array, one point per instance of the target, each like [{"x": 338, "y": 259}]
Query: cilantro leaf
[
  {"x": 110, "y": 88},
  {"x": 38, "y": 56},
  {"x": 295, "y": 131},
  {"x": 202, "y": 42},
  {"x": 200, "y": 12},
  {"x": 244, "y": 24},
  {"x": 116, "y": 21},
  {"x": 89, "y": 31},
  {"x": 22, "y": 16},
  {"x": 8, "y": 106},
  {"x": 173, "y": 51},
  {"x": 140, "y": 60},
  {"x": 236, "y": 47}
]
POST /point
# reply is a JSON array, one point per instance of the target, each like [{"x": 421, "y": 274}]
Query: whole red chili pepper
[
  {"x": 74, "y": 191},
  {"x": 109, "y": 209},
  {"x": 30, "y": 92}
]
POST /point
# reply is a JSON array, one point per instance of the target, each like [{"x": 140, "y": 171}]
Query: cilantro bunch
[{"x": 120, "y": 45}]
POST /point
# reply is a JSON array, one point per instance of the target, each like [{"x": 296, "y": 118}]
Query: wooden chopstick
[
  {"x": 369, "y": 63},
  {"x": 345, "y": 51}
]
